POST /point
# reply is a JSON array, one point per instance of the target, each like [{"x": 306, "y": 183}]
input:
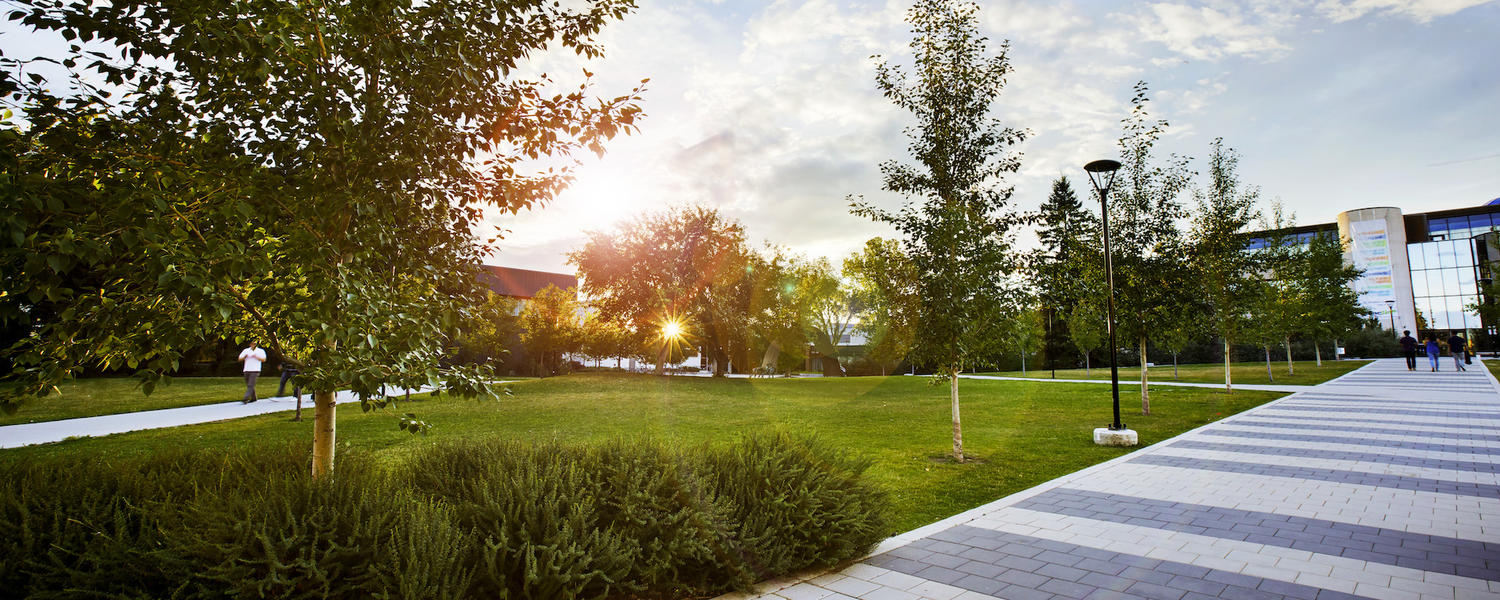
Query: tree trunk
[
  {"x": 1290, "y": 369},
  {"x": 1174, "y": 366},
  {"x": 771, "y": 357},
  {"x": 661, "y": 360},
  {"x": 1088, "y": 371},
  {"x": 324, "y": 423},
  {"x": 1228, "y": 380},
  {"x": 958, "y": 430},
  {"x": 1145, "y": 389},
  {"x": 1268, "y": 364},
  {"x": 298, "y": 416},
  {"x": 1023, "y": 364},
  {"x": 1318, "y": 353}
]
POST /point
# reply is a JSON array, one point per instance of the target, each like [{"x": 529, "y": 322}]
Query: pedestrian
[
  {"x": 288, "y": 371},
  {"x": 1433, "y": 350},
  {"x": 1409, "y": 349},
  {"x": 1459, "y": 347},
  {"x": 252, "y": 357}
]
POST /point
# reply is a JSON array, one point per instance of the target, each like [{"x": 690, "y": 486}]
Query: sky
[{"x": 768, "y": 110}]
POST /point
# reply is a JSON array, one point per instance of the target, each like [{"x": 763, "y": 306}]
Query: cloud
[
  {"x": 1209, "y": 33},
  {"x": 1421, "y": 11}
]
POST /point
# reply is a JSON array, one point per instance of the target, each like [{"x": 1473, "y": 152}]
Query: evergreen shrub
[{"x": 459, "y": 519}]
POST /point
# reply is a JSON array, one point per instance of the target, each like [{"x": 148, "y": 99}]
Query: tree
[
  {"x": 496, "y": 324},
  {"x": 552, "y": 325},
  {"x": 831, "y": 306},
  {"x": 957, "y": 233},
  {"x": 685, "y": 264},
  {"x": 1329, "y": 307},
  {"x": 885, "y": 287},
  {"x": 303, "y": 174},
  {"x": 1065, "y": 230},
  {"x": 1144, "y": 211},
  {"x": 777, "y": 311},
  {"x": 1024, "y": 333},
  {"x": 1087, "y": 328},
  {"x": 1227, "y": 271}
]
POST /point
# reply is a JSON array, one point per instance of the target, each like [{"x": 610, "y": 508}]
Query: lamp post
[
  {"x": 1102, "y": 175},
  {"x": 1390, "y": 310}
]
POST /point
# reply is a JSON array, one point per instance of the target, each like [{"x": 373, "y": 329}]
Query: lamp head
[
  {"x": 1102, "y": 175},
  {"x": 1102, "y": 166}
]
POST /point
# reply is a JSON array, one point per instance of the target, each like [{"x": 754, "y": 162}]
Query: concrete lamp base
[{"x": 1104, "y": 436}]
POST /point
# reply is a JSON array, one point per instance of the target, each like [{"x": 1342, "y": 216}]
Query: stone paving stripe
[
  {"x": 1481, "y": 490},
  {"x": 1392, "y": 459},
  {"x": 1085, "y": 573},
  {"x": 1375, "y": 401},
  {"x": 1330, "y": 418},
  {"x": 1330, "y": 439},
  {"x": 1467, "y": 558},
  {"x": 1478, "y": 437},
  {"x": 1449, "y": 414}
]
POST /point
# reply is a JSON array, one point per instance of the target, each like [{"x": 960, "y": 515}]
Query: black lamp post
[
  {"x": 1390, "y": 310},
  {"x": 1102, "y": 175}
]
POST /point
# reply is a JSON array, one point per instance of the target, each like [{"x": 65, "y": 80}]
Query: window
[
  {"x": 1434, "y": 282},
  {"x": 1414, "y": 256},
  {"x": 1430, "y": 254}
]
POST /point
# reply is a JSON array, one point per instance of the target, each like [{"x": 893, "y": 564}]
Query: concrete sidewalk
[
  {"x": 14, "y": 436},
  {"x": 1383, "y": 484}
]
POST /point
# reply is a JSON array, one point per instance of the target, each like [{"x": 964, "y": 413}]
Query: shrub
[{"x": 460, "y": 519}]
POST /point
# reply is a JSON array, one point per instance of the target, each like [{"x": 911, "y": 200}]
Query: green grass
[
  {"x": 1307, "y": 372},
  {"x": 1493, "y": 365},
  {"x": 1022, "y": 433},
  {"x": 108, "y": 396}
]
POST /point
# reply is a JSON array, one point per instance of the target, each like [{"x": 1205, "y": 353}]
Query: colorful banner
[{"x": 1372, "y": 252}]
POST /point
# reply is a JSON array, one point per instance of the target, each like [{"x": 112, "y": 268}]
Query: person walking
[
  {"x": 1409, "y": 349},
  {"x": 288, "y": 371},
  {"x": 252, "y": 357},
  {"x": 1433, "y": 350},
  {"x": 1458, "y": 346}
]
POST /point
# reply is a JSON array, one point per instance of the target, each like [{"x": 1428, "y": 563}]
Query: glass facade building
[{"x": 1423, "y": 270}]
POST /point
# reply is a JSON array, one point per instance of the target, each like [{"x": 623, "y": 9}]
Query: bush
[{"x": 460, "y": 519}]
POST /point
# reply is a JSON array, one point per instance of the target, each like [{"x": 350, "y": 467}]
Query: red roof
[{"x": 523, "y": 283}]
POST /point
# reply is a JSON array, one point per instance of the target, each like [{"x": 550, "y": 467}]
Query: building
[
  {"x": 1428, "y": 264},
  {"x": 523, "y": 284}
]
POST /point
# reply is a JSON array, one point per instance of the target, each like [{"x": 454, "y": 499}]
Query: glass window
[
  {"x": 1471, "y": 318},
  {"x": 1445, "y": 255},
  {"x": 1430, "y": 254},
  {"x": 1419, "y": 284},
  {"x": 1450, "y": 283},
  {"x": 1437, "y": 319},
  {"x": 1414, "y": 257},
  {"x": 1424, "y": 307},
  {"x": 1465, "y": 250},
  {"x": 1434, "y": 282},
  {"x": 1437, "y": 225},
  {"x": 1466, "y": 283}
]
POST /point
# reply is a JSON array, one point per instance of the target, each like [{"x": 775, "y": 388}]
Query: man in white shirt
[{"x": 252, "y": 357}]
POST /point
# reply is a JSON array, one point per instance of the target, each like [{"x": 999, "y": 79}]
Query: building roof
[{"x": 523, "y": 283}]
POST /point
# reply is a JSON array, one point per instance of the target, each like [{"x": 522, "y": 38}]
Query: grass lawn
[
  {"x": 113, "y": 395},
  {"x": 1493, "y": 364},
  {"x": 1022, "y": 433},
  {"x": 1307, "y": 372}
]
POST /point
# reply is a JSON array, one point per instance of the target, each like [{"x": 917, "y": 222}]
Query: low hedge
[{"x": 460, "y": 519}]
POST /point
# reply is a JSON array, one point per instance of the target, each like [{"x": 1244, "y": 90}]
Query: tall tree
[
  {"x": 1065, "y": 229},
  {"x": 1328, "y": 306},
  {"x": 831, "y": 306},
  {"x": 957, "y": 231},
  {"x": 885, "y": 286},
  {"x": 552, "y": 325},
  {"x": 1024, "y": 332},
  {"x": 307, "y": 170},
  {"x": 687, "y": 264},
  {"x": 1144, "y": 211},
  {"x": 1227, "y": 271}
]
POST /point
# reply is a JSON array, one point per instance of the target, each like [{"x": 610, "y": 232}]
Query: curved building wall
[{"x": 1377, "y": 244}]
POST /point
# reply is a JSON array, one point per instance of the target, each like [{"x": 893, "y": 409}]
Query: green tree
[
  {"x": 1227, "y": 271},
  {"x": 831, "y": 306},
  {"x": 685, "y": 264},
  {"x": 957, "y": 233},
  {"x": 552, "y": 325},
  {"x": 304, "y": 174},
  {"x": 1329, "y": 308},
  {"x": 1087, "y": 329},
  {"x": 1144, "y": 211},
  {"x": 1066, "y": 230},
  {"x": 777, "y": 311},
  {"x": 885, "y": 286},
  {"x": 494, "y": 326},
  {"x": 1024, "y": 333}
]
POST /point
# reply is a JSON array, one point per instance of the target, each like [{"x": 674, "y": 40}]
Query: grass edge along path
[
  {"x": 1244, "y": 373},
  {"x": 1021, "y": 433}
]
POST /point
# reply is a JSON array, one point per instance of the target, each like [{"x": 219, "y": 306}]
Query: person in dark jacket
[
  {"x": 1433, "y": 350},
  {"x": 1458, "y": 346},
  {"x": 1409, "y": 349}
]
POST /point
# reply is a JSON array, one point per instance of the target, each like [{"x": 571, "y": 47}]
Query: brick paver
[{"x": 1381, "y": 484}]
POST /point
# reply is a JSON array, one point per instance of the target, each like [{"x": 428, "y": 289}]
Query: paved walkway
[
  {"x": 1380, "y": 484},
  {"x": 14, "y": 436}
]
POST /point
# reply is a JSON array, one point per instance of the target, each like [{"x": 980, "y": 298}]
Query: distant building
[
  {"x": 1424, "y": 263},
  {"x": 523, "y": 284}
]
